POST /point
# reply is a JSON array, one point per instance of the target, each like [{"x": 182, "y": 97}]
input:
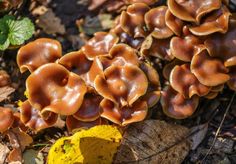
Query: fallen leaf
[
  {"x": 5, "y": 92},
  {"x": 106, "y": 20},
  {"x": 39, "y": 10},
  {"x": 24, "y": 138},
  {"x": 94, "y": 4},
  {"x": 199, "y": 132},
  {"x": 50, "y": 23},
  {"x": 153, "y": 141},
  {"x": 3, "y": 153},
  {"x": 33, "y": 157},
  {"x": 95, "y": 145}
]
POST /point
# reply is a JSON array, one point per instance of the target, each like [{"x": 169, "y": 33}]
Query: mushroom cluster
[
  {"x": 103, "y": 81},
  {"x": 112, "y": 79},
  {"x": 193, "y": 40}
]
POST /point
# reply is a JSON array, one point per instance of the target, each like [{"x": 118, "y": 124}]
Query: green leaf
[
  {"x": 20, "y": 30},
  {"x": 4, "y": 41}
]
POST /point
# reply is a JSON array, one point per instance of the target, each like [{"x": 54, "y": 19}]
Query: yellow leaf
[{"x": 95, "y": 145}]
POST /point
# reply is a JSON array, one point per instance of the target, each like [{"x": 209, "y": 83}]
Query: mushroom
[
  {"x": 156, "y": 24},
  {"x": 37, "y": 53},
  {"x": 232, "y": 81},
  {"x": 209, "y": 71},
  {"x": 159, "y": 48},
  {"x": 148, "y": 2},
  {"x": 185, "y": 82},
  {"x": 32, "y": 118},
  {"x": 216, "y": 22},
  {"x": 132, "y": 20},
  {"x": 174, "y": 23},
  {"x": 223, "y": 46},
  {"x": 52, "y": 88},
  {"x": 123, "y": 85},
  {"x": 184, "y": 48},
  {"x": 6, "y": 119},
  {"x": 192, "y": 10},
  {"x": 100, "y": 44},
  {"x": 4, "y": 78},
  {"x": 123, "y": 115},
  {"x": 169, "y": 66},
  {"x": 89, "y": 110},
  {"x": 175, "y": 105}
]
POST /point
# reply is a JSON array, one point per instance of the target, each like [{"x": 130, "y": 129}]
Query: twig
[{"x": 219, "y": 128}]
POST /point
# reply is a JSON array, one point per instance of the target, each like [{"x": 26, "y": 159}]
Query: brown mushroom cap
[
  {"x": 4, "y": 78},
  {"x": 185, "y": 48},
  {"x": 157, "y": 47},
  {"x": 176, "y": 106},
  {"x": 39, "y": 52},
  {"x": 211, "y": 95},
  {"x": 209, "y": 71},
  {"x": 192, "y": 10},
  {"x": 174, "y": 23},
  {"x": 89, "y": 110},
  {"x": 148, "y": 2},
  {"x": 122, "y": 84},
  {"x": 168, "y": 67},
  {"x": 216, "y": 22},
  {"x": 120, "y": 54},
  {"x": 232, "y": 81},
  {"x": 100, "y": 44},
  {"x": 223, "y": 46},
  {"x": 153, "y": 93},
  {"x": 155, "y": 21},
  {"x": 52, "y": 88},
  {"x": 185, "y": 82},
  {"x": 132, "y": 20},
  {"x": 124, "y": 115},
  {"x": 32, "y": 118},
  {"x": 6, "y": 119}
]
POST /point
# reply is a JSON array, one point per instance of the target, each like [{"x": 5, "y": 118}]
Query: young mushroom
[
  {"x": 37, "y": 53},
  {"x": 6, "y": 119}
]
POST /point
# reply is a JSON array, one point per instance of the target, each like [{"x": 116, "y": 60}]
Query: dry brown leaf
[
  {"x": 153, "y": 141},
  {"x": 5, "y": 92},
  {"x": 50, "y": 23},
  {"x": 3, "y": 153}
]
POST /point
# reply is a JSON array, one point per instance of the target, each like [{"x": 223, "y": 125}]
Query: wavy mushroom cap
[
  {"x": 6, "y": 119},
  {"x": 159, "y": 48},
  {"x": 192, "y": 10},
  {"x": 4, "y": 78},
  {"x": 176, "y": 106},
  {"x": 32, "y": 118},
  {"x": 123, "y": 115},
  {"x": 169, "y": 66},
  {"x": 153, "y": 93},
  {"x": 122, "y": 84},
  {"x": 185, "y": 82},
  {"x": 232, "y": 81},
  {"x": 132, "y": 20},
  {"x": 148, "y": 2},
  {"x": 174, "y": 23},
  {"x": 223, "y": 46},
  {"x": 155, "y": 22},
  {"x": 52, "y": 88},
  {"x": 216, "y": 22},
  {"x": 37, "y": 53},
  {"x": 184, "y": 48},
  {"x": 89, "y": 110},
  {"x": 72, "y": 123},
  {"x": 99, "y": 45},
  {"x": 208, "y": 70},
  {"x": 120, "y": 54}
]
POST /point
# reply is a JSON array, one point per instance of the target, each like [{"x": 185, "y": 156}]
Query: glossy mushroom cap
[
  {"x": 209, "y": 71},
  {"x": 32, "y": 118},
  {"x": 174, "y": 23},
  {"x": 155, "y": 22},
  {"x": 216, "y": 22},
  {"x": 148, "y": 2},
  {"x": 52, "y": 88},
  {"x": 192, "y": 10},
  {"x": 123, "y": 115},
  {"x": 185, "y": 82},
  {"x": 99, "y": 45},
  {"x": 132, "y": 20},
  {"x": 37, "y": 53},
  {"x": 123, "y": 85},
  {"x": 176, "y": 106},
  {"x": 6, "y": 119}
]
